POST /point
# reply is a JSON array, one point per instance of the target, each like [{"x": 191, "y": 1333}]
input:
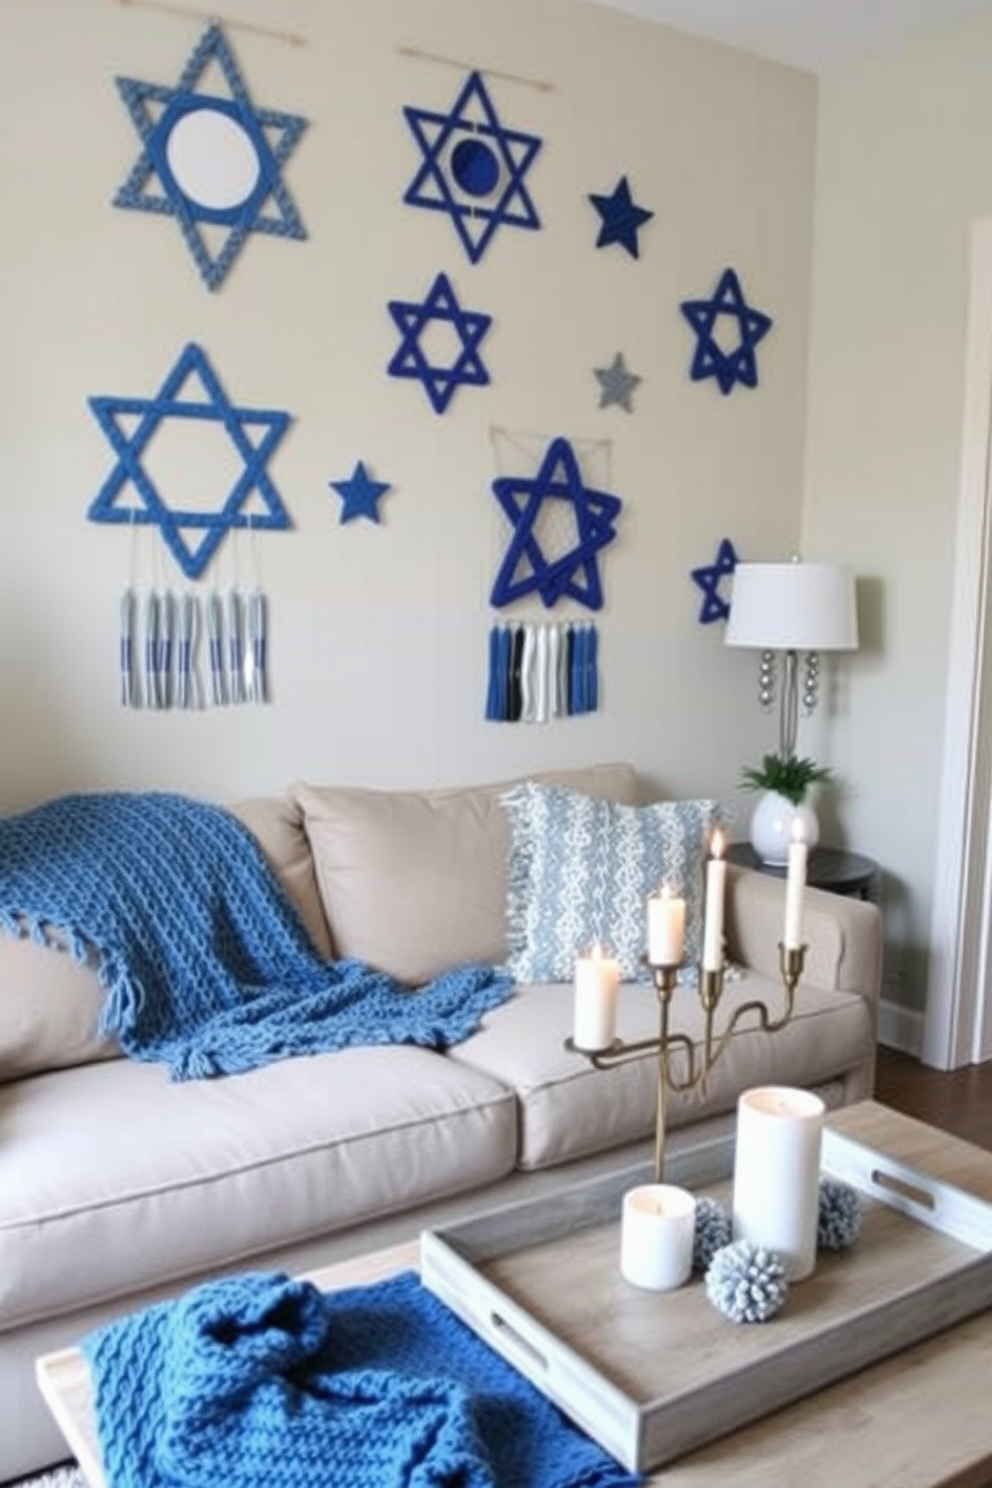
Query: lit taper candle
[
  {"x": 794, "y": 885},
  {"x": 716, "y": 882}
]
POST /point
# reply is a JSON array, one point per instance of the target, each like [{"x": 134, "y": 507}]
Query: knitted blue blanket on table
[
  {"x": 258, "y": 1381},
  {"x": 206, "y": 965}
]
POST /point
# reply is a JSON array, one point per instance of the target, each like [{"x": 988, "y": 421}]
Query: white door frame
[{"x": 957, "y": 1027}]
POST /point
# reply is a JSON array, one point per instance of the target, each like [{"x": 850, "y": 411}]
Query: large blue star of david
[
  {"x": 473, "y": 168},
  {"x": 440, "y": 382},
  {"x": 575, "y": 574},
  {"x": 708, "y": 577},
  {"x": 157, "y": 111},
  {"x": 710, "y": 359},
  {"x": 181, "y": 529}
]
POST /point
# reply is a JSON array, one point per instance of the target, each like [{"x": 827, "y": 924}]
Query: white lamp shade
[{"x": 793, "y": 607}]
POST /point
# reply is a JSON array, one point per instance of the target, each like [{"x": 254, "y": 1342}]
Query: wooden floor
[{"x": 959, "y": 1102}]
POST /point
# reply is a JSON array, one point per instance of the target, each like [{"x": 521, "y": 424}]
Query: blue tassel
[
  {"x": 494, "y": 712},
  {"x": 216, "y": 650},
  {"x": 579, "y": 670},
  {"x": 592, "y": 673}
]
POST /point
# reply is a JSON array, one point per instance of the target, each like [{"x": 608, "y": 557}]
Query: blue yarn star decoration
[
  {"x": 710, "y": 359},
  {"x": 129, "y": 424},
  {"x": 573, "y": 574},
  {"x": 441, "y": 305},
  {"x": 473, "y": 168},
  {"x": 620, "y": 218},
  {"x": 361, "y": 494},
  {"x": 184, "y": 132},
  {"x": 714, "y": 606}
]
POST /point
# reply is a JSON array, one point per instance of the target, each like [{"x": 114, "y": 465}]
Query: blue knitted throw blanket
[
  {"x": 207, "y": 967},
  {"x": 259, "y": 1381}
]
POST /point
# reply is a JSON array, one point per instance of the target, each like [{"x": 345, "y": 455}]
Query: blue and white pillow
[{"x": 581, "y": 870}]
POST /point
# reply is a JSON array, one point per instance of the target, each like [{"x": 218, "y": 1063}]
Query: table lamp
[{"x": 790, "y": 608}]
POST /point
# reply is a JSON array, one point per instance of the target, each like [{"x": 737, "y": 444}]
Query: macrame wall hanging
[
  {"x": 441, "y": 378},
  {"x": 538, "y": 672},
  {"x": 210, "y": 158},
  {"x": 163, "y": 633},
  {"x": 708, "y": 319},
  {"x": 472, "y": 168}
]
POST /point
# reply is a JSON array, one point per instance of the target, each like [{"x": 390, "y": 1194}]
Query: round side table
[{"x": 830, "y": 868}]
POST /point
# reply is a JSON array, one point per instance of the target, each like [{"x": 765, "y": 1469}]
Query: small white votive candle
[
  {"x": 776, "y": 1199},
  {"x": 597, "y": 977},
  {"x": 656, "y": 1235}
]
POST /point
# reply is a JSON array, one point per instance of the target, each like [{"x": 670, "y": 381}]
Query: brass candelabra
[{"x": 699, "y": 1060}]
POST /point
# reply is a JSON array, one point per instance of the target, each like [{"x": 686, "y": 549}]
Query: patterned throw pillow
[{"x": 581, "y": 870}]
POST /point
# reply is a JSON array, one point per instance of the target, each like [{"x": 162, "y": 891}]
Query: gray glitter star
[{"x": 617, "y": 384}]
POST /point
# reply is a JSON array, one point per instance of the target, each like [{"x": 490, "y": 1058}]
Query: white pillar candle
[
  {"x": 716, "y": 880},
  {"x": 597, "y": 977},
  {"x": 656, "y": 1235},
  {"x": 777, "y": 1174},
  {"x": 794, "y": 884},
  {"x": 666, "y": 928}
]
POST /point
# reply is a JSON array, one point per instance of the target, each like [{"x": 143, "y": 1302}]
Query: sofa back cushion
[
  {"x": 415, "y": 882},
  {"x": 49, "y": 1006},
  {"x": 277, "y": 824}
]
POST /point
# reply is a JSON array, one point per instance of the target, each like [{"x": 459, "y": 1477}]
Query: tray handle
[
  {"x": 913, "y": 1193},
  {"x": 516, "y": 1339},
  {"x": 940, "y": 1205}
]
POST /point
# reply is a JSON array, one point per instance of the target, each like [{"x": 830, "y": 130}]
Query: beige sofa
[{"x": 118, "y": 1186}]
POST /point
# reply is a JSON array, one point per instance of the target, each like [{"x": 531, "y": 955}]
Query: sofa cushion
[
  {"x": 414, "y": 882},
  {"x": 49, "y": 1006},
  {"x": 277, "y": 824},
  {"x": 568, "y": 1109},
  {"x": 114, "y": 1179},
  {"x": 581, "y": 870}
]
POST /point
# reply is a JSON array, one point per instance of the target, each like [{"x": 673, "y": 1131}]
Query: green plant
[{"x": 790, "y": 778}]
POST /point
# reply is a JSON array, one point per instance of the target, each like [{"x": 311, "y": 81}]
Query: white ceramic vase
[{"x": 771, "y": 827}]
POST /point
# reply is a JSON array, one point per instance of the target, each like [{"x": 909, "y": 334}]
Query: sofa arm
[{"x": 843, "y": 935}]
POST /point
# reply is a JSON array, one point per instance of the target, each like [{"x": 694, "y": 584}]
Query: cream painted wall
[
  {"x": 904, "y": 167},
  {"x": 379, "y": 632}
]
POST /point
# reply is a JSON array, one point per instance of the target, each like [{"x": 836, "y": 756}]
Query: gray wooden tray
[{"x": 651, "y": 1376}]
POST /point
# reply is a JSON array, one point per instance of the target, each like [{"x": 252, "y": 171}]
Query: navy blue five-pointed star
[
  {"x": 153, "y": 186},
  {"x": 710, "y": 358},
  {"x": 620, "y": 218},
  {"x": 361, "y": 494},
  {"x": 575, "y": 573},
  {"x": 714, "y": 606},
  {"x": 473, "y": 168},
  {"x": 191, "y": 536},
  {"x": 441, "y": 382}
]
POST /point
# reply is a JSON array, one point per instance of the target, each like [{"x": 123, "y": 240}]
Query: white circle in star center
[{"x": 214, "y": 160}]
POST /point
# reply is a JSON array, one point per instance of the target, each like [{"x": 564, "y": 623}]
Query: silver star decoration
[{"x": 616, "y": 384}]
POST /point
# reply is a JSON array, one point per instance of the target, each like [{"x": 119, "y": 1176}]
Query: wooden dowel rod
[
  {"x": 191, "y": 12},
  {"x": 510, "y": 77}
]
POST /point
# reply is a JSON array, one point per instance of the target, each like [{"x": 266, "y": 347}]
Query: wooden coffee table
[{"x": 917, "y": 1420}]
